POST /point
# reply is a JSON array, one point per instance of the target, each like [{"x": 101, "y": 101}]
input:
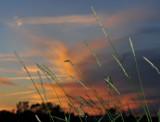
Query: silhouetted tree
[{"x": 41, "y": 111}]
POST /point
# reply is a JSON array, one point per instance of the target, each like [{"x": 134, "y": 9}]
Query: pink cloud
[{"x": 128, "y": 16}]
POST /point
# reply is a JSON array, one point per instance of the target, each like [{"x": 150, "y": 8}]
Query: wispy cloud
[
  {"x": 130, "y": 16},
  {"x": 19, "y": 93},
  {"x": 123, "y": 17},
  {"x": 7, "y": 57},
  {"x": 6, "y": 81},
  {"x": 72, "y": 19}
]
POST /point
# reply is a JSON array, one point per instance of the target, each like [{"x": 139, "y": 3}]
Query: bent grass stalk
[
  {"x": 158, "y": 72},
  {"x": 33, "y": 82},
  {"x": 99, "y": 64},
  {"x": 116, "y": 118},
  {"x": 35, "y": 86},
  {"x": 111, "y": 86},
  {"x": 93, "y": 54},
  {"x": 139, "y": 119},
  {"x": 152, "y": 65},
  {"x": 100, "y": 119},
  {"x": 41, "y": 80},
  {"x": 74, "y": 66},
  {"x": 103, "y": 29},
  {"x": 159, "y": 115},
  {"x": 146, "y": 109},
  {"x": 102, "y": 106},
  {"x": 120, "y": 65},
  {"x": 79, "y": 81},
  {"x": 37, "y": 118},
  {"x": 41, "y": 68},
  {"x": 115, "y": 53},
  {"x": 86, "y": 88},
  {"x": 54, "y": 77},
  {"x": 109, "y": 81},
  {"x": 42, "y": 85}
]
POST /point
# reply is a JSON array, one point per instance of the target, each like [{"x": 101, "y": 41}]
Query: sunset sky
[{"x": 52, "y": 31}]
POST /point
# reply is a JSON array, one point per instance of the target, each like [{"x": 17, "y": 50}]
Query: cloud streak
[
  {"x": 6, "y": 81},
  {"x": 72, "y": 19},
  {"x": 19, "y": 93}
]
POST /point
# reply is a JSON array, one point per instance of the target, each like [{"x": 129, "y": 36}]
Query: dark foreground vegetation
[{"x": 38, "y": 113}]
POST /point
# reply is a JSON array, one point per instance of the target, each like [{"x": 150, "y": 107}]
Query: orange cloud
[
  {"x": 52, "y": 50},
  {"x": 32, "y": 69},
  {"x": 18, "y": 93},
  {"x": 5, "y": 81},
  {"x": 60, "y": 54},
  {"x": 6, "y": 107},
  {"x": 51, "y": 91}
]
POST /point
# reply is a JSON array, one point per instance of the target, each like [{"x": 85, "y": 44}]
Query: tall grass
[
  {"x": 51, "y": 76},
  {"x": 118, "y": 61},
  {"x": 33, "y": 82},
  {"x": 146, "y": 109}
]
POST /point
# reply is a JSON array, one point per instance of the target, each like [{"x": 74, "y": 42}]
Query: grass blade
[
  {"x": 152, "y": 65},
  {"x": 74, "y": 66},
  {"x": 33, "y": 82},
  {"x": 146, "y": 109},
  {"x": 93, "y": 54},
  {"x": 37, "y": 118},
  {"x": 110, "y": 82},
  {"x": 120, "y": 65},
  {"x": 159, "y": 115}
]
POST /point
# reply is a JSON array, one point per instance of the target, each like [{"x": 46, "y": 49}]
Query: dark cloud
[{"x": 95, "y": 75}]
